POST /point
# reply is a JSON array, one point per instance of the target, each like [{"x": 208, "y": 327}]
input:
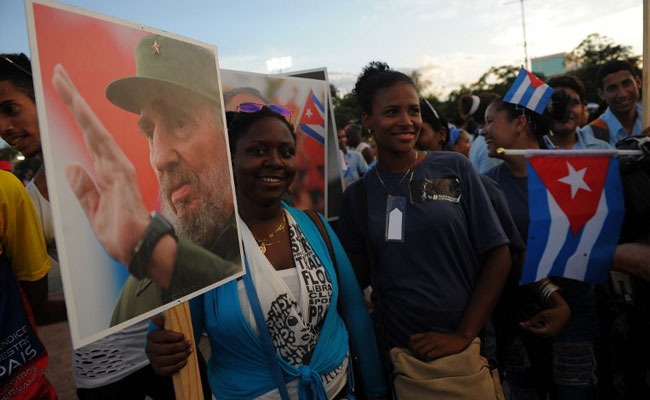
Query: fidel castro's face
[{"x": 188, "y": 152}]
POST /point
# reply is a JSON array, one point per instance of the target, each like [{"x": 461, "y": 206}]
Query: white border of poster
[{"x": 333, "y": 162}]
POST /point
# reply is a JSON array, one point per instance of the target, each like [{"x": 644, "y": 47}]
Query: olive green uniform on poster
[{"x": 195, "y": 268}]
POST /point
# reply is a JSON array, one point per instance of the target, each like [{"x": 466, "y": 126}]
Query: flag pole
[
  {"x": 646, "y": 65},
  {"x": 584, "y": 153}
]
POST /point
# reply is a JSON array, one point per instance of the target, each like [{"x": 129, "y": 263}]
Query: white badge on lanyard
[{"x": 395, "y": 218}]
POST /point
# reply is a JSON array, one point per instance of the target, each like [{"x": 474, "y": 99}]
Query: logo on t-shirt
[{"x": 445, "y": 189}]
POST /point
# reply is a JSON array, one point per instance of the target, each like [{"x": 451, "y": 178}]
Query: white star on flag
[
  {"x": 309, "y": 113},
  {"x": 576, "y": 179}
]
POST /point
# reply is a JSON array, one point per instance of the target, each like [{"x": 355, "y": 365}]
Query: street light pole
[{"x": 523, "y": 25}]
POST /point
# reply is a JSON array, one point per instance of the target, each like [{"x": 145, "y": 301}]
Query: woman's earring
[{"x": 371, "y": 131}]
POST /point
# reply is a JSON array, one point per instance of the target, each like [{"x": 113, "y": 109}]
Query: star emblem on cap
[{"x": 156, "y": 47}]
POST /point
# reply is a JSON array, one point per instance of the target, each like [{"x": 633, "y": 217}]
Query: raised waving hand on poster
[{"x": 114, "y": 207}]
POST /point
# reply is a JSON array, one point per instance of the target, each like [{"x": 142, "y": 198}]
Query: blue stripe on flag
[
  {"x": 317, "y": 102},
  {"x": 312, "y": 133},
  {"x": 544, "y": 101},
  {"x": 515, "y": 85},
  {"x": 605, "y": 246},
  {"x": 539, "y": 228}
]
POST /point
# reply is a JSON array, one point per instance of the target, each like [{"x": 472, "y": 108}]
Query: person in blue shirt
[
  {"x": 433, "y": 247},
  {"x": 618, "y": 86},
  {"x": 478, "y": 154},
  {"x": 460, "y": 141},
  {"x": 352, "y": 163},
  {"x": 566, "y": 132}
]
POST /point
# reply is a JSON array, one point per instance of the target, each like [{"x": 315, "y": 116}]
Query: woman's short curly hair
[{"x": 376, "y": 75}]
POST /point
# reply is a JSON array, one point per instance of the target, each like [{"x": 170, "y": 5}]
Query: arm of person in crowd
[
  {"x": 114, "y": 207},
  {"x": 363, "y": 166},
  {"x": 633, "y": 259},
  {"x": 361, "y": 269},
  {"x": 367, "y": 155},
  {"x": 432, "y": 345},
  {"x": 45, "y": 311},
  {"x": 551, "y": 322},
  {"x": 518, "y": 259}
]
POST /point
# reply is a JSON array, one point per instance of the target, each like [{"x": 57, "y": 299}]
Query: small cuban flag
[
  {"x": 529, "y": 91},
  {"x": 312, "y": 120},
  {"x": 576, "y": 211}
]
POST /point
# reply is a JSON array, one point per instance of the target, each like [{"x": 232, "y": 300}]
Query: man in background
[
  {"x": 618, "y": 86},
  {"x": 19, "y": 128}
]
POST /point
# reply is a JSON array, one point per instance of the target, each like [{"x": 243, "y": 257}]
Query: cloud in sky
[{"x": 448, "y": 73}]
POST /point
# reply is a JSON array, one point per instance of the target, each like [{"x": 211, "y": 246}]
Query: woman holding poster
[{"x": 284, "y": 321}]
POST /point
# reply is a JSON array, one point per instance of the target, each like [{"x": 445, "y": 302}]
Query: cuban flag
[
  {"x": 312, "y": 120},
  {"x": 576, "y": 211},
  {"x": 529, "y": 91}
]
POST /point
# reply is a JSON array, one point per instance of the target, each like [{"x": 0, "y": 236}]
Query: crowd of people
[{"x": 433, "y": 222}]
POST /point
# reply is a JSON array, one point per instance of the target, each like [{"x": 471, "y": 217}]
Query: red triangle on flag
[
  {"x": 534, "y": 81},
  {"x": 590, "y": 172},
  {"x": 311, "y": 115}
]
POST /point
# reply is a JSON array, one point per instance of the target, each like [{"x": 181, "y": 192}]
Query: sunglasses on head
[{"x": 255, "y": 107}]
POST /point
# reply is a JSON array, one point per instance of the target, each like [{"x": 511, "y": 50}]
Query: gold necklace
[
  {"x": 267, "y": 241},
  {"x": 412, "y": 169}
]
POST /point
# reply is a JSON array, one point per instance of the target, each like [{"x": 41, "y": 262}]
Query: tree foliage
[
  {"x": 496, "y": 79},
  {"x": 346, "y": 110},
  {"x": 422, "y": 85},
  {"x": 597, "y": 49},
  {"x": 590, "y": 54}
]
